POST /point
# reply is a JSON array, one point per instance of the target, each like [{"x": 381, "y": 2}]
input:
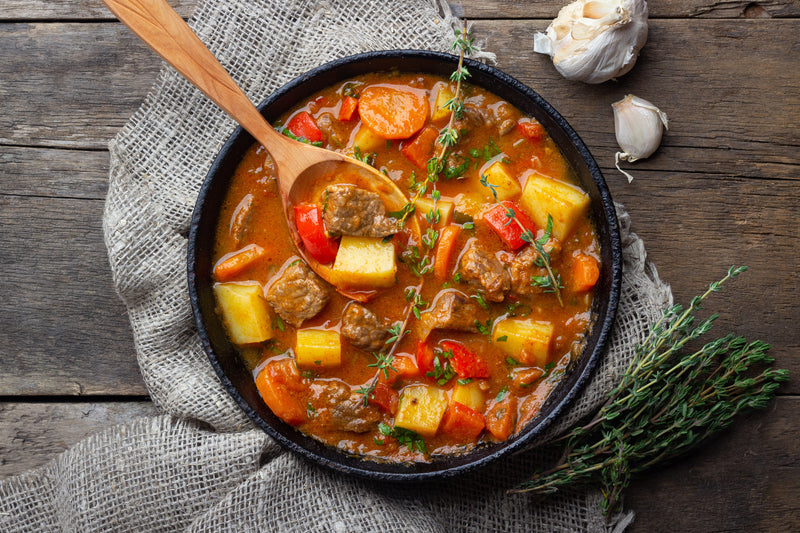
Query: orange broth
[{"x": 253, "y": 214}]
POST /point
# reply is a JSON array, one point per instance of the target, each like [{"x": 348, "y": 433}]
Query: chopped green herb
[
  {"x": 481, "y": 300},
  {"x": 484, "y": 328},
  {"x": 404, "y": 436},
  {"x": 502, "y": 394}
]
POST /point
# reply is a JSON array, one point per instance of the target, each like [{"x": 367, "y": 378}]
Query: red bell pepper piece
[
  {"x": 463, "y": 423},
  {"x": 348, "y": 109},
  {"x": 424, "y": 357},
  {"x": 531, "y": 130},
  {"x": 465, "y": 362},
  {"x": 310, "y": 226},
  {"x": 303, "y": 125},
  {"x": 507, "y": 229},
  {"x": 384, "y": 397}
]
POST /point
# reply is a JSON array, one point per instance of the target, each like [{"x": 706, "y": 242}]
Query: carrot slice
[
  {"x": 419, "y": 150},
  {"x": 402, "y": 367},
  {"x": 393, "y": 112},
  {"x": 273, "y": 383},
  {"x": 501, "y": 418},
  {"x": 584, "y": 272},
  {"x": 234, "y": 264},
  {"x": 462, "y": 423},
  {"x": 444, "y": 250}
]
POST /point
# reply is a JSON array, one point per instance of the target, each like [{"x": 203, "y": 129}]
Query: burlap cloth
[{"x": 201, "y": 466}]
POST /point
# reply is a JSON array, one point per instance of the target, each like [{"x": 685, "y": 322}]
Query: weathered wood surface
[
  {"x": 31, "y": 434},
  {"x": 722, "y": 190},
  {"x": 475, "y": 9}
]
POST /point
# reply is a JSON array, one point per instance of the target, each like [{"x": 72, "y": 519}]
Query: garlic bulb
[
  {"x": 638, "y": 126},
  {"x": 595, "y": 40}
]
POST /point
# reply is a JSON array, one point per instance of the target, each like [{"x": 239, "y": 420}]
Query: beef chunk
[
  {"x": 482, "y": 270},
  {"x": 505, "y": 117},
  {"x": 332, "y": 129},
  {"x": 327, "y": 393},
  {"x": 352, "y": 415},
  {"x": 523, "y": 269},
  {"x": 363, "y": 328},
  {"x": 452, "y": 309},
  {"x": 298, "y": 294},
  {"x": 349, "y": 210}
]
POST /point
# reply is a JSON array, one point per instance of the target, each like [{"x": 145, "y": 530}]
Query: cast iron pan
[{"x": 239, "y": 381}]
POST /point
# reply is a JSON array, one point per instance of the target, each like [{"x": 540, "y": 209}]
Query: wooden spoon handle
[{"x": 163, "y": 30}]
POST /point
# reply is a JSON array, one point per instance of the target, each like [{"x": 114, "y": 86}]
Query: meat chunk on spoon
[
  {"x": 298, "y": 293},
  {"x": 349, "y": 210}
]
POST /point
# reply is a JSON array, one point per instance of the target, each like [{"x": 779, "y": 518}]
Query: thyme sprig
[
  {"x": 383, "y": 360},
  {"x": 671, "y": 398},
  {"x": 449, "y": 136}
]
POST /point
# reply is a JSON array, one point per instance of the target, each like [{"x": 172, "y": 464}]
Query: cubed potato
[
  {"x": 367, "y": 140},
  {"x": 438, "y": 109},
  {"x": 365, "y": 262},
  {"x": 244, "y": 312},
  {"x": 445, "y": 207},
  {"x": 469, "y": 394},
  {"x": 526, "y": 340},
  {"x": 421, "y": 409},
  {"x": 566, "y": 203},
  {"x": 470, "y": 203},
  {"x": 507, "y": 185},
  {"x": 317, "y": 348}
]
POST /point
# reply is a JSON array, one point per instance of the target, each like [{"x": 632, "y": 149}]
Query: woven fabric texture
[{"x": 201, "y": 466}]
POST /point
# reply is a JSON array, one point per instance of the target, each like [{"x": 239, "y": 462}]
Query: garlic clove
[
  {"x": 595, "y": 40},
  {"x": 638, "y": 126}
]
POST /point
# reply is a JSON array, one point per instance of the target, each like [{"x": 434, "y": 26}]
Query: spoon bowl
[{"x": 298, "y": 165}]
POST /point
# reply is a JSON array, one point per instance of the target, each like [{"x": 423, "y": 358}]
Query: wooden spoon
[{"x": 298, "y": 165}]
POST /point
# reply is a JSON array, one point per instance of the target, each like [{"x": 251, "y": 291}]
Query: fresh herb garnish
[
  {"x": 502, "y": 394},
  {"x": 672, "y": 397},
  {"x": 404, "y": 436},
  {"x": 442, "y": 369}
]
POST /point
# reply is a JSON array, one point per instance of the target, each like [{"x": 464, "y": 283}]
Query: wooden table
[{"x": 723, "y": 189}]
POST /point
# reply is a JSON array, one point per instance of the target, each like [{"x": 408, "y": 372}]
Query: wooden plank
[
  {"x": 534, "y": 9},
  {"x": 63, "y": 330},
  {"x": 54, "y": 97},
  {"x": 53, "y": 172},
  {"x": 717, "y": 125},
  {"x": 746, "y": 479},
  {"x": 31, "y": 434},
  {"x": 71, "y": 9},
  {"x": 472, "y": 9}
]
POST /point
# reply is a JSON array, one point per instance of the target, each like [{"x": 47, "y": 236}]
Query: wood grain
[
  {"x": 63, "y": 330},
  {"x": 474, "y": 9},
  {"x": 32, "y": 434}
]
